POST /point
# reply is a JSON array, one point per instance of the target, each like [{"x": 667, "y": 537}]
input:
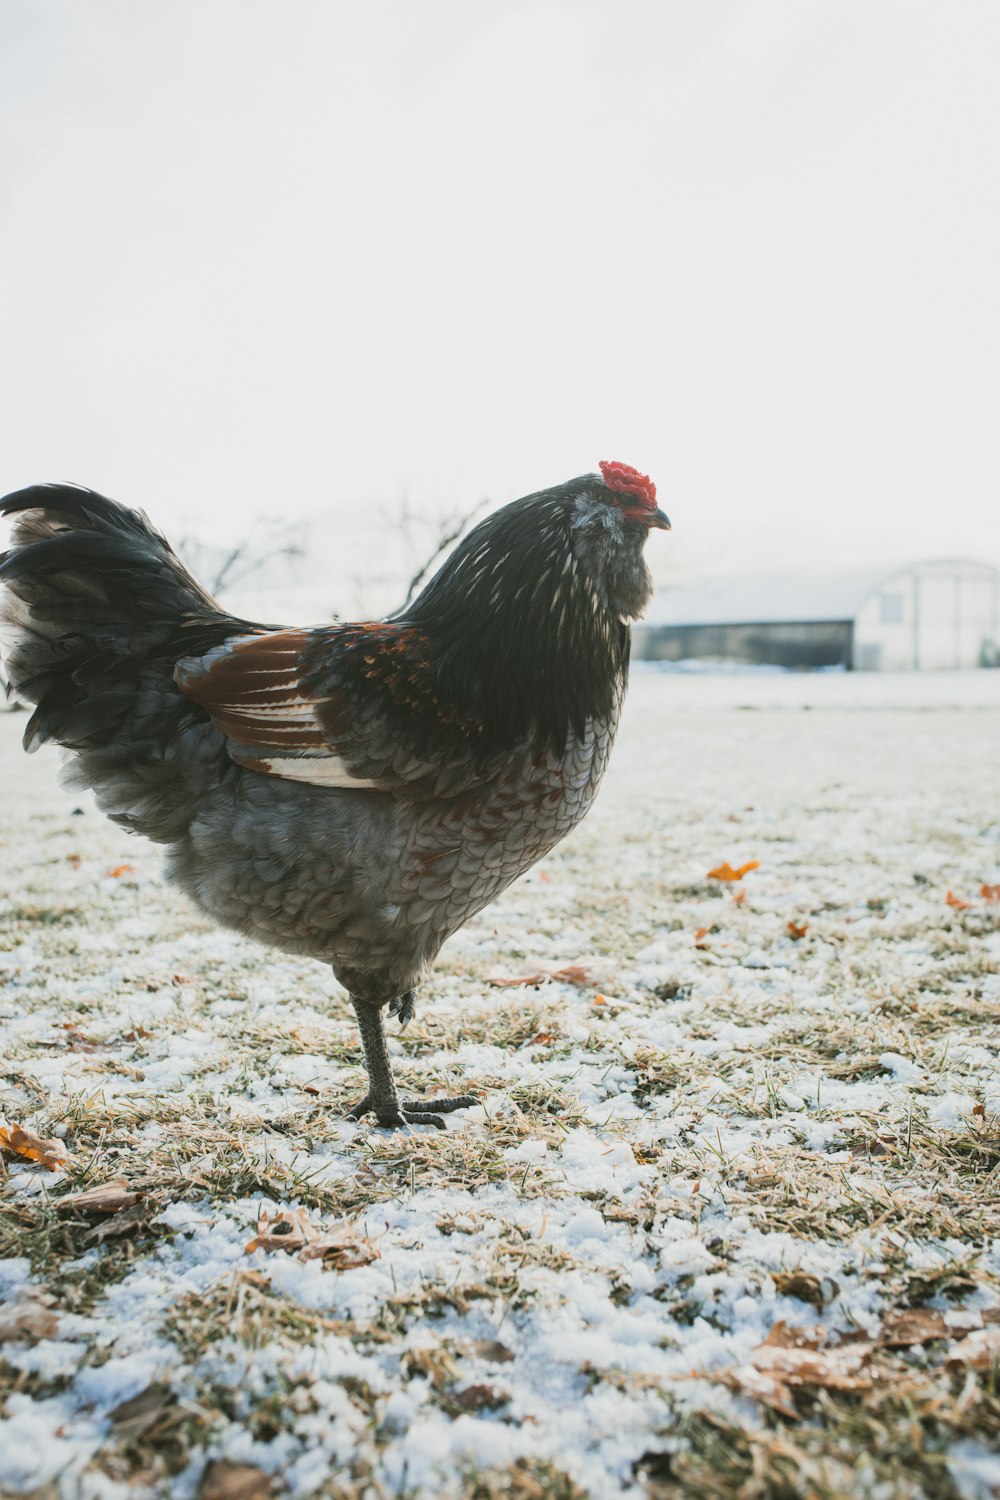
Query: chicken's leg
[{"x": 382, "y": 1096}]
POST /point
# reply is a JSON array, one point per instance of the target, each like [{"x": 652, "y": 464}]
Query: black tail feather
[{"x": 96, "y": 610}]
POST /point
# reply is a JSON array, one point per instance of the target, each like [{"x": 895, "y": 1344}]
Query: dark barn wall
[{"x": 813, "y": 643}]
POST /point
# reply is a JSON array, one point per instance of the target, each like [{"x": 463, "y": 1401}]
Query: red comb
[{"x": 625, "y": 480}]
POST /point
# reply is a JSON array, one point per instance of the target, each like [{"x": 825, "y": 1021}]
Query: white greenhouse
[{"x": 927, "y": 616}]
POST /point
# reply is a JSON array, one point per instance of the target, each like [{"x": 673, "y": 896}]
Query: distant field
[{"x": 726, "y": 1225}]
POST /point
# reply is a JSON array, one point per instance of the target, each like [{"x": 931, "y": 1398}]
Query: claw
[{"x": 405, "y": 1007}]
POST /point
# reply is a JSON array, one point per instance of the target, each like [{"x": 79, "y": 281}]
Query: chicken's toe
[
  {"x": 438, "y": 1106},
  {"x": 405, "y": 1007},
  {"x": 411, "y": 1111}
]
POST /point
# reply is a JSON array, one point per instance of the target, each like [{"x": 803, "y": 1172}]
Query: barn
[{"x": 928, "y": 616}]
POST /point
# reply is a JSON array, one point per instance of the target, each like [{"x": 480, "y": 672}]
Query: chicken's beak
[{"x": 659, "y": 520}]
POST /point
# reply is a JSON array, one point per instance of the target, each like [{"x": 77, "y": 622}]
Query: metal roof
[{"x": 771, "y": 598}]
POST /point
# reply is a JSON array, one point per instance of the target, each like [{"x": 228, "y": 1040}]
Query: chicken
[{"x": 353, "y": 792}]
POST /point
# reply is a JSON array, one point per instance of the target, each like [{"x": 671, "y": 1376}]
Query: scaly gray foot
[{"x": 412, "y": 1111}]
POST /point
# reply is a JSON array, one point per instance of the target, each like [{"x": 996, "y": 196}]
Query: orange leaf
[
  {"x": 17, "y": 1141},
  {"x": 725, "y": 871},
  {"x": 952, "y": 900},
  {"x": 990, "y": 893},
  {"x": 795, "y": 931},
  {"x": 700, "y": 934},
  {"x": 120, "y": 870}
]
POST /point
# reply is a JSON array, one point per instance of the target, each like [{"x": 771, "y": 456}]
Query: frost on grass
[{"x": 725, "y": 1223}]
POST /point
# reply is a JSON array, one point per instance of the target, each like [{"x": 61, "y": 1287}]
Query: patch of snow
[
  {"x": 974, "y": 1470},
  {"x": 949, "y": 1111}
]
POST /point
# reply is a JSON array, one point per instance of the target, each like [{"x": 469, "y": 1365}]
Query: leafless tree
[
  {"x": 254, "y": 551},
  {"x": 449, "y": 529},
  {"x": 420, "y": 540}
]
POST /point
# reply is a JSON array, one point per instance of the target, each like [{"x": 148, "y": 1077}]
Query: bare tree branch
[
  {"x": 229, "y": 571},
  {"x": 250, "y": 555},
  {"x": 450, "y": 530}
]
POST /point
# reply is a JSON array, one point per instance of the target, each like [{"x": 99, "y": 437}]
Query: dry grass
[{"x": 813, "y": 1122}]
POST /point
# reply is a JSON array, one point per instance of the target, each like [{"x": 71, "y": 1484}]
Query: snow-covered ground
[{"x": 725, "y": 1223}]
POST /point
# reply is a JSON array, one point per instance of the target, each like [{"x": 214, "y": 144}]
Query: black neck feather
[{"x": 523, "y": 643}]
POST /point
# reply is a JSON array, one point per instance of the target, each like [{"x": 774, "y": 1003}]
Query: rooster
[{"x": 353, "y": 792}]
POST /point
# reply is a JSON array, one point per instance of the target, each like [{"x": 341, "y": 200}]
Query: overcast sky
[{"x": 313, "y": 257}]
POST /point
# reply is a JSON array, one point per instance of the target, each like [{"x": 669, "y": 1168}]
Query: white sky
[{"x": 315, "y": 256}]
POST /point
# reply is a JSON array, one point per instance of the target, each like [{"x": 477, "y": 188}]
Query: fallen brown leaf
[
  {"x": 51, "y": 1154},
  {"x": 990, "y": 893},
  {"x": 155, "y": 1407},
  {"x": 836, "y": 1369},
  {"x": 977, "y": 1351},
  {"x": 580, "y": 974},
  {"x": 492, "y": 1351},
  {"x": 104, "y": 1198},
  {"x": 875, "y": 1145},
  {"x": 574, "y": 974},
  {"x": 952, "y": 900},
  {"x": 341, "y": 1250},
  {"x": 479, "y": 1398},
  {"x": 226, "y": 1481},
  {"x": 819, "y": 1290},
  {"x": 126, "y": 1221},
  {"x": 513, "y": 981},
  {"x": 796, "y": 931},
  {"x": 288, "y": 1229},
  {"x": 120, "y": 870},
  {"x": 78, "y": 1040},
  {"x": 27, "y": 1321},
  {"x": 919, "y": 1325},
  {"x": 725, "y": 871},
  {"x": 787, "y": 1336},
  {"x": 746, "y": 1381}
]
